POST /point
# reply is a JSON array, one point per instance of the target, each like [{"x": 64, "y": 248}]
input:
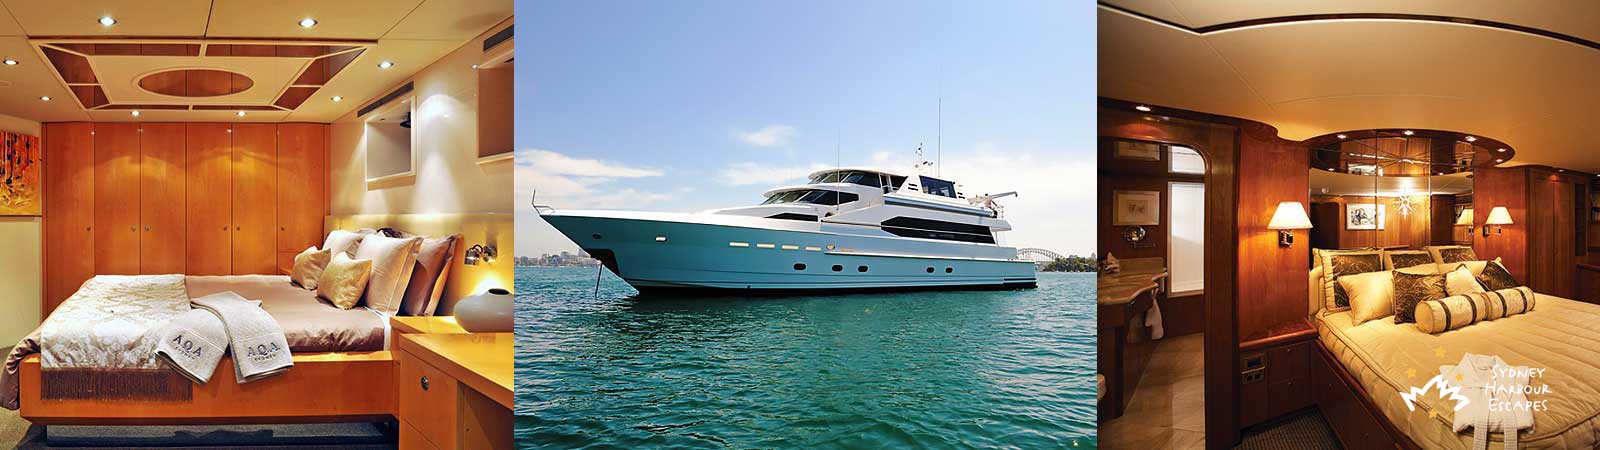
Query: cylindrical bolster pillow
[{"x": 1452, "y": 313}]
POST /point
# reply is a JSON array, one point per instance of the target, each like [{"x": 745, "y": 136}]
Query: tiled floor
[{"x": 1168, "y": 407}]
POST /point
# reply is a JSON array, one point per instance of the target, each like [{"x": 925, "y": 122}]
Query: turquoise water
[{"x": 978, "y": 369}]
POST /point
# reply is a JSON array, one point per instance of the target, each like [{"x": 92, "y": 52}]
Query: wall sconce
[
  {"x": 1289, "y": 216},
  {"x": 1465, "y": 219},
  {"x": 479, "y": 252},
  {"x": 1498, "y": 217}
]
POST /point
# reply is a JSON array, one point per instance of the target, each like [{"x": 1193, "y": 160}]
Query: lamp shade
[
  {"x": 1465, "y": 218},
  {"x": 1290, "y": 216},
  {"x": 1498, "y": 216}
]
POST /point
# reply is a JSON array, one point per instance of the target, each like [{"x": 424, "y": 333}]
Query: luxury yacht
[{"x": 846, "y": 229}]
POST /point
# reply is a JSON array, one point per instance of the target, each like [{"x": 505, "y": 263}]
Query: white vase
[{"x": 489, "y": 312}]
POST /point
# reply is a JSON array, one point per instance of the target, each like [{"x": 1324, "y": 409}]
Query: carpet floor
[{"x": 1304, "y": 431}]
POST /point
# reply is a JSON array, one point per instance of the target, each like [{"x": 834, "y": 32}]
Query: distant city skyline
[{"x": 699, "y": 105}]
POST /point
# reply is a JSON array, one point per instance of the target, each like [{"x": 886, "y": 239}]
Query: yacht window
[
  {"x": 1185, "y": 160},
  {"x": 896, "y": 181},
  {"x": 862, "y": 178},
  {"x": 813, "y": 196},
  {"x": 937, "y": 229},
  {"x": 938, "y": 187},
  {"x": 794, "y": 216}
]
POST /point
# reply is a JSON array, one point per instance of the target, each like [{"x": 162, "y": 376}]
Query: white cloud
[
  {"x": 881, "y": 156},
  {"x": 770, "y": 136},
  {"x": 555, "y": 163},
  {"x": 566, "y": 182},
  {"x": 1055, "y": 203},
  {"x": 748, "y": 173}
]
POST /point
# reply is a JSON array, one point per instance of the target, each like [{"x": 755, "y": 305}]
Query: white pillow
[
  {"x": 1461, "y": 281},
  {"x": 341, "y": 241},
  {"x": 1371, "y": 295},
  {"x": 392, "y": 262}
]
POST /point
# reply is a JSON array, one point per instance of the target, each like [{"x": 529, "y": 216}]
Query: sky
[{"x": 693, "y": 105}]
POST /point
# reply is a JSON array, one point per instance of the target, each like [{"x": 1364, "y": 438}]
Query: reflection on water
[{"x": 992, "y": 369}]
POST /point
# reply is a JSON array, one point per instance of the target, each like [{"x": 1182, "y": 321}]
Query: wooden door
[
  {"x": 209, "y": 194},
  {"x": 255, "y": 202},
  {"x": 116, "y": 198},
  {"x": 68, "y": 210},
  {"x": 302, "y": 188},
  {"x": 161, "y": 198}
]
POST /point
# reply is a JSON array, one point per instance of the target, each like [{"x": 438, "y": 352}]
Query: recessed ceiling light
[
  {"x": 1501, "y": 150},
  {"x": 474, "y": 66},
  {"x": 108, "y": 21},
  {"x": 241, "y": 113},
  {"x": 135, "y": 113},
  {"x": 338, "y": 98},
  {"x": 45, "y": 98},
  {"x": 1408, "y": 132},
  {"x": 1142, "y": 108},
  {"x": 1342, "y": 136},
  {"x": 11, "y": 62},
  {"x": 308, "y": 22},
  {"x": 385, "y": 64},
  {"x": 1561, "y": 170},
  {"x": 1472, "y": 139},
  {"x": 1499, "y": 160}
]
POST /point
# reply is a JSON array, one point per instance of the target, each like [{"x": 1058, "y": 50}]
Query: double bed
[{"x": 1379, "y": 359}]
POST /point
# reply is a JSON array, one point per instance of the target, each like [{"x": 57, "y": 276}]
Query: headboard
[
  {"x": 496, "y": 229},
  {"x": 1315, "y": 284}
]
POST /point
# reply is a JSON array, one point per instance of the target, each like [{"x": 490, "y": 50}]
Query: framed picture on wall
[
  {"x": 20, "y": 171},
  {"x": 1363, "y": 216},
  {"x": 1147, "y": 151},
  {"x": 1136, "y": 208},
  {"x": 1364, "y": 169}
]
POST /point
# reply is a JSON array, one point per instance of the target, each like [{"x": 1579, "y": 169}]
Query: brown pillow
[
  {"x": 1400, "y": 259},
  {"x": 427, "y": 279},
  {"x": 1412, "y": 289},
  {"x": 1495, "y": 277},
  {"x": 344, "y": 280},
  {"x": 308, "y": 266},
  {"x": 1341, "y": 263},
  {"x": 1459, "y": 254}
]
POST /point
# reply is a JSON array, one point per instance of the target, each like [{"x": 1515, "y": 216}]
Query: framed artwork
[
  {"x": 1147, "y": 151},
  {"x": 1364, "y": 169},
  {"x": 20, "y": 174},
  {"x": 1363, "y": 216},
  {"x": 1136, "y": 208}
]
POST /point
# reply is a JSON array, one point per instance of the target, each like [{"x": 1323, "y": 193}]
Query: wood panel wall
[
  {"x": 1509, "y": 188},
  {"x": 1541, "y": 247},
  {"x": 1272, "y": 292},
  {"x": 1413, "y": 231},
  {"x": 197, "y": 198}
]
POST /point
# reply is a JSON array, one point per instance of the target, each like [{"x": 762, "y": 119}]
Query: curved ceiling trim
[{"x": 1221, "y": 27}]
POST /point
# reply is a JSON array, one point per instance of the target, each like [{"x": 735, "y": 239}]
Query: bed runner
[{"x": 99, "y": 343}]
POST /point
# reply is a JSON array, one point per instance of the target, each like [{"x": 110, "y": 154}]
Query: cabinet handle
[
  {"x": 134, "y": 228},
  {"x": 147, "y": 229},
  {"x": 424, "y": 382}
]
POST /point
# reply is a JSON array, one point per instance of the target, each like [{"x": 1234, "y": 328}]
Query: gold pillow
[
  {"x": 344, "y": 280},
  {"x": 1371, "y": 295},
  {"x": 1338, "y": 263},
  {"x": 308, "y": 266}
]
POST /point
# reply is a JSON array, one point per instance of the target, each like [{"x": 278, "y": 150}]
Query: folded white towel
[
  {"x": 192, "y": 344},
  {"x": 260, "y": 349}
]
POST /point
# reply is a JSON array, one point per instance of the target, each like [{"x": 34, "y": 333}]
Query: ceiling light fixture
[
  {"x": 135, "y": 113},
  {"x": 338, "y": 98},
  {"x": 1408, "y": 132},
  {"x": 1142, "y": 108},
  {"x": 11, "y": 62},
  {"x": 241, "y": 114},
  {"x": 308, "y": 22},
  {"x": 1472, "y": 139},
  {"x": 1342, "y": 136},
  {"x": 44, "y": 98},
  {"x": 474, "y": 66},
  {"x": 1501, "y": 150},
  {"x": 1499, "y": 160},
  {"x": 107, "y": 21},
  {"x": 385, "y": 64}
]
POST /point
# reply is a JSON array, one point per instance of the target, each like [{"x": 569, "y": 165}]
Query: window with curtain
[{"x": 1186, "y": 251}]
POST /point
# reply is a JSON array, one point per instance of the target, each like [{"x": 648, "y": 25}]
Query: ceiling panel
[
  {"x": 120, "y": 75},
  {"x": 454, "y": 20},
  {"x": 341, "y": 19},
  {"x": 21, "y": 86},
  {"x": 1575, "y": 18},
  {"x": 1144, "y": 61},
  {"x": 172, "y": 18},
  {"x": 186, "y": 116},
  {"x": 362, "y": 80}
]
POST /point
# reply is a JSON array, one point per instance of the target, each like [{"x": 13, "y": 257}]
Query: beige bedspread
[
  {"x": 1560, "y": 335},
  {"x": 310, "y": 324}
]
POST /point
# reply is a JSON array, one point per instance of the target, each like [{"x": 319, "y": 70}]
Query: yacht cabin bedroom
[
  {"x": 1394, "y": 239},
  {"x": 270, "y": 216}
]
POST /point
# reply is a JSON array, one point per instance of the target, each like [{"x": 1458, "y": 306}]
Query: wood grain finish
[
  {"x": 162, "y": 247},
  {"x": 68, "y": 210},
  {"x": 210, "y": 199},
  {"x": 116, "y": 198},
  {"x": 255, "y": 199},
  {"x": 1271, "y": 170},
  {"x": 1552, "y": 236},
  {"x": 1414, "y": 230},
  {"x": 302, "y": 185}
]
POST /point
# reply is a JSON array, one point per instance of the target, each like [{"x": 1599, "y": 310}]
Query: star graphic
[
  {"x": 1433, "y": 414},
  {"x": 1411, "y": 373},
  {"x": 1438, "y": 351},
  {"x": 1458, "y": 377}
]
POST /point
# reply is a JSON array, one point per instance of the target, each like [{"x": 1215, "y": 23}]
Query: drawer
[
  {"x": 428, "y": 401},
  {"x": 1289, "y": 395},
  {"x": 1293, "y": 361},
  {"x": 411, "y": 439}
]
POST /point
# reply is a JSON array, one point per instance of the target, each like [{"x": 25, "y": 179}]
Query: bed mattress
[
  {"x": 310, "y": 324},
  {"x": 1558, "y": 335}
]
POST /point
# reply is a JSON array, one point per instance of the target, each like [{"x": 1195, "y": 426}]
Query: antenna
[{"x": 938, "y": 155}]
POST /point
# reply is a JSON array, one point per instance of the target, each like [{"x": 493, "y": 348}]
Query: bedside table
[
  {"x": 455, "y": 391},
  {"x": 1275, "y": 372}
]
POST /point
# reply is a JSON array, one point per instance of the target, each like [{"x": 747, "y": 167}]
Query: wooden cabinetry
[
  {"x": 1275, "y": 371},
  {"x": 197, "y": 198},
  {"x": 1543, "y": 244},
  {"x": 455, "y": 391}
]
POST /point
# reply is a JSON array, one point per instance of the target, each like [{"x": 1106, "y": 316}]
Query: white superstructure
[{"x": 848, "y": 228}]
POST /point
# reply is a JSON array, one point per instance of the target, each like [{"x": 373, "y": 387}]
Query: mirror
[{"x": 1393, "y": 189}]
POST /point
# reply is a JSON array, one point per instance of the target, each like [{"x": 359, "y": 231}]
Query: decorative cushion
[
  {"x": 393, "y": 259},
  {"x": 1412, "y": 289},
  {"x": 1476, "y": 267},
  {"x": 1452, "y": 313},
  {"x": 1461, "y": 282},
  {"x": 427, "y": 278},
  {"x": 341, "y": 241},
  {"x": 1399, "y": 259},
  {"x": 1495, "y": 277},
  {"x": 344, "y": 280},
  {"x": 1444, "y": 254},
  {"x": 308, "y": 265},
  {"x": 1371, "y": 295},
  {"x": 1338, "y": 263}
]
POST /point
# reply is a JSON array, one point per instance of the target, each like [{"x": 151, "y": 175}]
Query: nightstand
[
  {"x": 421, "y": 325},
  {"x": 1275, "y": 372},
  {"x": 455, "y": 391}
]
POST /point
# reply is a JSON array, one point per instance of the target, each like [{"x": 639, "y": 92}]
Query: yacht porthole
[
  {"x": 596, "y": 236},
  {"x": 738, "y": 244},
  {"x": 790, "y": 247},
  {"x": 661, "y": 238},
  {"x": 861, "y": 268},
  {"x": 813, "y": 249},
  {"x": 930, "y": 270},
  {"x": 765, "y": 246},
  {"x": 799, "y": 266},
  {"x": 838, "y": 268},
  {"x": 948, "y": 270}
]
